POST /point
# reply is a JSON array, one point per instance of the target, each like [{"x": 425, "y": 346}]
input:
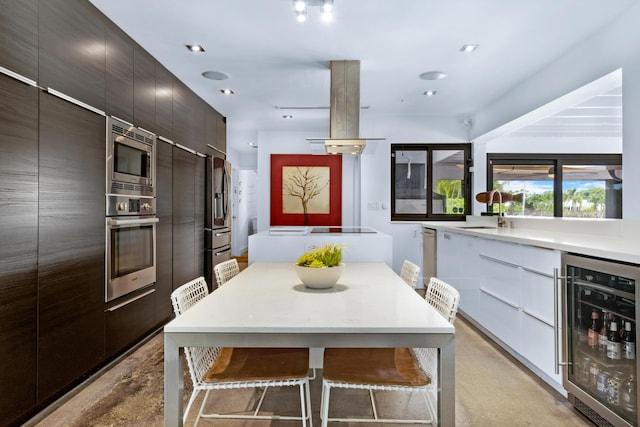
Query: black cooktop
[{"x": 343, "y": 230}]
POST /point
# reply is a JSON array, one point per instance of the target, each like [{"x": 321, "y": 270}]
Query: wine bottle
[
  {"x": 614, "y": 348},
  {"x": 594, "y": 331},
  {"x": 628, "y": 342},
  {"x": 604, "y": 332}
]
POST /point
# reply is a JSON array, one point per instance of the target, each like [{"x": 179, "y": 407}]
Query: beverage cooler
[{"x": 600, "y": 335}]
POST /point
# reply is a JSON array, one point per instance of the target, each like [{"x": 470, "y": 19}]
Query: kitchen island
[{"x": 286, "y": 244}]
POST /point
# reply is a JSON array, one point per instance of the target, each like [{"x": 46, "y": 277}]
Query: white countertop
[{"x": 610, "y": 239}]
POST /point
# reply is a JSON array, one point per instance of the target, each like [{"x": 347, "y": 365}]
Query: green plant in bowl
[
  {"x": 326, "y": 256},
  {"x": 320, "y": 267}
]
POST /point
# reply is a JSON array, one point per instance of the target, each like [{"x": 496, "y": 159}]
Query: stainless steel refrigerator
[
  {"x": 217, "y": 215},
  {"x": 601, "y": 364}
]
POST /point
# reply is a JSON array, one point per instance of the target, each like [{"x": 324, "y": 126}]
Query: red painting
[{"x": 306, "y": 189}]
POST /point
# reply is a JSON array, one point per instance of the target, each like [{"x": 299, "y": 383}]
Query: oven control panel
[{"x": 123, "y": 205}]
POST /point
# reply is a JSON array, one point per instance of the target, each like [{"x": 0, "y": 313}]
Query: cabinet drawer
[
  {"x": 217, "y": 238},
  {"x": 501, "y": 278},
  {"x": 502, "y": 318},
  {"x": 129, "y": 319},
  {"x": 537, "y": 345}
]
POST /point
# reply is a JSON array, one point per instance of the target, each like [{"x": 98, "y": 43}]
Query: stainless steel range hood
[{"x": 344, "y": 110}]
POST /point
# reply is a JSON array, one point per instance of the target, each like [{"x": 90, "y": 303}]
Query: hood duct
[{"x": 344, "y": 110}]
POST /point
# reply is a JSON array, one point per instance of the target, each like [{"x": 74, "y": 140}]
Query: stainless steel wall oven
[
  {"x": 130, "y": 254},
  {"x": 130, "y": 209},
  {"x": 130, "y": 159}
]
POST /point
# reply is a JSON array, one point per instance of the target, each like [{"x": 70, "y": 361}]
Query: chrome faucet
[{"x": 501, "y": 220}]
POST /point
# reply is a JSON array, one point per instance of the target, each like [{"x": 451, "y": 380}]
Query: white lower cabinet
[
  {"x": 457, "y": 261},
  {"x": 508, "y": 290}
]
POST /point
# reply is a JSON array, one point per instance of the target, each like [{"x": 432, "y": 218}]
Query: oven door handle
[{"x": 138, "y": 221}]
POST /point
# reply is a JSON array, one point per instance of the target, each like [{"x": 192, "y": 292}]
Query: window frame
[
  {"x": 557, "y": 161},
  {"x": 429, "y": 148}
]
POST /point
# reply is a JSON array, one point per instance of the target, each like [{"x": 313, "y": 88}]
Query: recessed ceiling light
[
  {"x": 433, "y": 75},
  {"x": 430, "y": 92},
  {"x": 469, "y": 47},
  {"x": 195, "y": 47},
  {"x": 215, "y": 75},
  {"x": 287, "y": 116},
  {"x": 227, "y": 91},
  {"x": 299, "y": 5},
  {"x": 253, "y": 145}
]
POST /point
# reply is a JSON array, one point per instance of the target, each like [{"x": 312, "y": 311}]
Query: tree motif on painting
[{"x": 305, "y": 189}]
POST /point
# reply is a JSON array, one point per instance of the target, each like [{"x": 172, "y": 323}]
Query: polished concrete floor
[{"x": 492, "y": 389}]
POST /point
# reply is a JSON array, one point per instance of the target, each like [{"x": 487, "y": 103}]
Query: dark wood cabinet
[
  {"x": 221, "y": 129},
  {"x": 71, "y": 47},
  {"x": 129, "y": 320},
  {"x": 164, "y": 231},
  {"x": 19, "y": 37},
  {"x": 181, "y": 112},
  {"x": 54, "y": 329},
  {"x": 197, "y": 136},
  {"x": 211, "y": 130},
  {"x": 184, "y": 227},
  {"x": 119, "y": 75},
  {"x": 199, "y": 203},
  {"x": 188, "y": 118},
  {"x": 144, "y": 90},
  {"x": 164, "y": 102},
  {"x": 71, "y": 244},
  {"x": 18, "y": 250}
]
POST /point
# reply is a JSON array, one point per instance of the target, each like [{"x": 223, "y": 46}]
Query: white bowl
[{"x": 319, "y": 278}]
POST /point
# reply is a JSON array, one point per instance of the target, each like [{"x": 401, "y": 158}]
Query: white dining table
[{"x": 266, "y": 305}]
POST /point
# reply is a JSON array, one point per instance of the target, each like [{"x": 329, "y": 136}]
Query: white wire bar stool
[
  {"x": 410, "y": 273},
  {"x": 226, "y": 270},
  {"x": 389, "y": 369},
  {"x": 224, "y": 368}
]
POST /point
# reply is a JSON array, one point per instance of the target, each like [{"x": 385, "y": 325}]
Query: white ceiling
[{"x": 275, "y": 62}]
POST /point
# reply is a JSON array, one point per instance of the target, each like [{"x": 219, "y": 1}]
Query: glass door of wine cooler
[{"x": 600, "y": 312}]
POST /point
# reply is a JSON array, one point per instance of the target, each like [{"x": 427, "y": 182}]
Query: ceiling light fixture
[
  {"x": 227, "y": 91},
  {"x": 345, "y": 146},
  {"x": 287, "y": 116},
  {"x": 429, "y": 92},
  {"x": 301, "y": 16},
  {"x": 469, "y": 47},
  {"x": 300, "y": 9},
  {"x": 195, "y": 47}
]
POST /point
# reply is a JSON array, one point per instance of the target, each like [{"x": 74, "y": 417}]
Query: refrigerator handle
[
  {"x": 556, "y": 318},
  {"x": 556, "y": 350}
]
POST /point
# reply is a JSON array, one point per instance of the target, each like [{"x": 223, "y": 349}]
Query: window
[
  {"x": 587, "y": 185},
  {"x": 431, "y": 181}
]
